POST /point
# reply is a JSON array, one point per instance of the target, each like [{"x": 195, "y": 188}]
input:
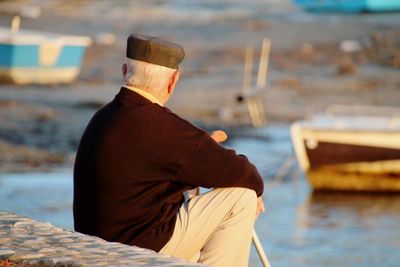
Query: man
[{"x": 137, "y": 158}]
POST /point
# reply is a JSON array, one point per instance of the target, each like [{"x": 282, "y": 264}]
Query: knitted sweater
[{"x": 133, "y": 164}]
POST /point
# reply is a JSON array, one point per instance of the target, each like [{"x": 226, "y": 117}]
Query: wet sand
[{"x": 41, "y": 125}]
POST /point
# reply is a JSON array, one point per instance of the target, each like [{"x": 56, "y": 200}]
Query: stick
[
  {"x": 248, "y": 70},
  {"x": 15, "y": 23},
  {"x": 260, "y": 250},
  {"x": 263, "y": 65}
]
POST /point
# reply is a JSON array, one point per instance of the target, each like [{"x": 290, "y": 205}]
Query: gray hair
[{"x": 146, "y": 76}]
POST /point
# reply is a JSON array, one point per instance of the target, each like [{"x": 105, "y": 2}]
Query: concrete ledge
[{"x": 23, "y": 240}]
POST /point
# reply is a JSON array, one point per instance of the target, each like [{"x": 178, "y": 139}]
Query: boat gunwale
[
  {"x": 28, "y": 37},
  {"x": 388, "y": 124}
]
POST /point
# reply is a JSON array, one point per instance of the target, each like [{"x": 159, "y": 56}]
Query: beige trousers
[{"x": 215, "y": 228}]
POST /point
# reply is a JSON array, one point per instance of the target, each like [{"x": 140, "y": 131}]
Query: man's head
[{"x": 152, "y": 65}]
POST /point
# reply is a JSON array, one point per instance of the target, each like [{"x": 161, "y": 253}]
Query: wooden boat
[
  {"x": 349, "y": 152},
  {"x": 351, "y": 6},
  {"x": 39, "y": 57}
]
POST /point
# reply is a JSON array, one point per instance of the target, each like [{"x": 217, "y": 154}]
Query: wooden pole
[
  {"x": 248, "y": 70},
  {"x": 260, "y": 250},
  {"x": 15, "y": 23},
  {"x": 263, "y": 65}
]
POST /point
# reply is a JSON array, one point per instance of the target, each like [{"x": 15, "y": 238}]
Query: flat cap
[{"x": 154, "y": 50}]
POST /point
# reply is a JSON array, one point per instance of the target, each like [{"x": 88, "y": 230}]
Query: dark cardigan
[{"x": 134, "y": 162}]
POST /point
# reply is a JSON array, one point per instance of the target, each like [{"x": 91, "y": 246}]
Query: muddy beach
[{"x": 310, "y": 67}]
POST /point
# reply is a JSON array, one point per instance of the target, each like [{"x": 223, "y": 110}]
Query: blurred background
[{"x": 318, "y": 57}]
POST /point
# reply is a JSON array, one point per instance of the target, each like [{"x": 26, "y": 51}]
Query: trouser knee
[
  {"x": 246, "y": 198},
  {"x": 250, "y": 197}
]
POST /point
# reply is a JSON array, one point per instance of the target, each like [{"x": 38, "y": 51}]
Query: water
[
  {"x": 42, "y": 196},
  {"x": 299, "y": 228}
]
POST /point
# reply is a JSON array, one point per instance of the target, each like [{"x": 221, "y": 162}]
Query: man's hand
[
  {"x": 260, "y": 206},
  {"x": 219, "y": 136}
]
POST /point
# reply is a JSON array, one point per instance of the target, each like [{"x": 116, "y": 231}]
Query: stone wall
[{"x": 23, "y": 240}]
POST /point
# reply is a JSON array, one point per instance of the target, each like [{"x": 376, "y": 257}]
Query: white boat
[
  {"x": 39, "y": 57},
  {"x": 356, "y": 152}
]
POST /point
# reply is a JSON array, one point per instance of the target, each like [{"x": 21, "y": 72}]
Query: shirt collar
[{"x": 145, "y": 94}]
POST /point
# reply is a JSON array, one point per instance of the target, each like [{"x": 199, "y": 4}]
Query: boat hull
[
  {"x": 348, "y": 159},
  {"x": 341, "y": 178},
  {"x": 38, "y": 75},
  {"x": 32, "y": 57}
]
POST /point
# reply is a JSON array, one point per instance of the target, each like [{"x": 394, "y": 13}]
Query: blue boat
[
  {"x": 349, "y": 6},
  {"x": 38, "y": 57}
]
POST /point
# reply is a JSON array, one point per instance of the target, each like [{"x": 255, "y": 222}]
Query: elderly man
[{"x": 137, "y": 158}]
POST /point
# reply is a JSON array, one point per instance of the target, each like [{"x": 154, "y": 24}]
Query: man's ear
[
  {"x": 124, "y": 70},
  {"x": 174, "y": 79}
]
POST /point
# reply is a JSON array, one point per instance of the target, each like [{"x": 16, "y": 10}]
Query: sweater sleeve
[{"x": 212, "y": 165}]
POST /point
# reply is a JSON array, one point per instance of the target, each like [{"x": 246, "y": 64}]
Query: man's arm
[{"x": 220, "y": 136}]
